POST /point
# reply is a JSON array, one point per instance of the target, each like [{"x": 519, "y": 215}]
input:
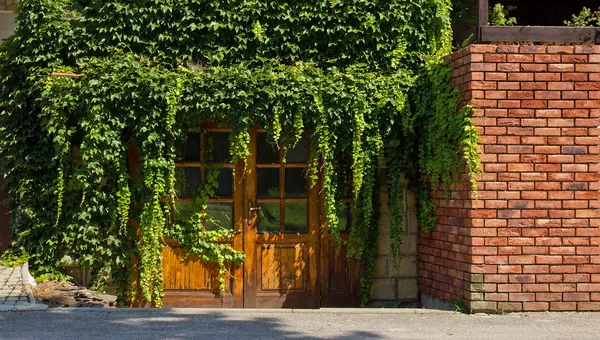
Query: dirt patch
[{"x": 67, "y": 294}]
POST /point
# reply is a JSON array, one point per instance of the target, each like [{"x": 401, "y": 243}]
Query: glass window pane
[
  {"x": 344, "y": 217},
  {"x": 220, "y": 151},
  {"x": 187, "y": 181},
  {"x": 268, "y": 183},
  {"x": 266, "y": 153},
  {"x": 225, "y": 188},
  {"x": 295, "y": 183},
  {"x": 183, "y": 212},
  {"x": 299, "y": 153},
  {"x": 190, "y": 150},
  {"x": 296, "y": 217},
  {"x": 268, "y": 217},
  {"x": 219, "y": 216}
]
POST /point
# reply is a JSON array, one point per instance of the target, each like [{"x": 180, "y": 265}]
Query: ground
[
  {"x": 252, "y": 324},
  {"x": 15, "y": 289}
]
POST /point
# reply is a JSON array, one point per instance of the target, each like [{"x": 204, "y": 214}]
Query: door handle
[{"x": 251, "y": 210}]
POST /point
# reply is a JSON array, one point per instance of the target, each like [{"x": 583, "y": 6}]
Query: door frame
[{"x": 252, "y": 239}]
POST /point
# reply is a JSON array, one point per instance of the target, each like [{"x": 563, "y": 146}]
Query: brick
[
  {"x": 510, "y": 306},
  {"x": 587, "y": 86},
  {"x": 587, "y": 104},
  {"x": 574, "y": 77},
  {"x": 561, "y": 49},
  {"x": 477, "y": 48},
  {"x": 548, "y": 259},
  {"x": 508, "y": 67},
  {"x": 588, "y": 287},
  {"x": 535, "y": 306},
  {"x": 535, "y": 104},
  {"x": 543, "y": 296},
  {"x": 494, "y": 58},
  {"x": 495, "y": 278},
  {"x": 562, "y": 68},
  {"x": 575, "y": 59},
  {"x": 532, "y": 49},
  {"x": 508, "y": 49},
  {"x": 536, "y": 287},
  {"x": 574, "y": 150},
  {"x": 496, "y": 297},
  {"x": 561, "y": 140},
  {"x": 588, "y": 306},
  {"x": 563, "y": 306},
  {"x": 561, "y": 104},
  {"x": 534, "y": 269},
  {"x": 504, "y": 85},
  {"x": 575, "y": 278},
  {"x": 587, "y": 68},
  {"x": 482, "y": 67},
  {"x": 561, "y": 86},
  {"x": 520, "y": 76},
  {"x": 520, "y": 95},
  {"x": 495, "y": 76},
  {"x": 534, "y": 86},
  {"x": 547, "y": 76},
  {"x": 521, "y": 297},
  {"x": 521, "y": 278},
  {"x": 509, "y": 269},
  {"x": 584, "y": 49},
  {"x": 547, "y": 58},
  {"x": 577, "y": 95},
  {"x": 547, "y": 94},
  {"x": 534, "y": 68},
  {"x": 561, "y": 269},
  {"x": 503, "y": 104},
  {"x": 563, "y": 287}
]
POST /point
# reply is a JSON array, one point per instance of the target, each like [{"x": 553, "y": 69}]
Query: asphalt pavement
[{"x": 95, "y": 324}]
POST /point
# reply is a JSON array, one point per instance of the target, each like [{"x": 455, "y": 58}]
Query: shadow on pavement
[{"x": 81, "y": 324}]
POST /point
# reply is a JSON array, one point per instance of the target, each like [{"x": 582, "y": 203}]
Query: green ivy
[
  {"x": 363, "y": 80},
  {"x": 500, "y": 15},
  {"x": 585, "y": 18}
]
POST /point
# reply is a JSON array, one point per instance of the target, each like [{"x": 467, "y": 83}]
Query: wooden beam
[
  {"x": 483, "y": 7},
  {"x": 541, "y": 34},
  {"x": 66, "y": 75}
]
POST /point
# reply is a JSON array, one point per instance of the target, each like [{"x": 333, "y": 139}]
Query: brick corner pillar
[{"x": 530, "y": 241}]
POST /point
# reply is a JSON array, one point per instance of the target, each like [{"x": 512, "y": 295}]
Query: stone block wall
[
  {"x": 4, "y": 221},
  {"x": 8, "y": 5},
  {"x": 530, "y": 241},
  {"x": 395, "y": 281}
]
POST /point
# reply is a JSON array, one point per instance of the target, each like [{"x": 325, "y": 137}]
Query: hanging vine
[{"x": 363, "y": 80}]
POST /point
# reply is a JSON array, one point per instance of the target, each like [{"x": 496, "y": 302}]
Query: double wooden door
[{"x": 290, "y": 260}]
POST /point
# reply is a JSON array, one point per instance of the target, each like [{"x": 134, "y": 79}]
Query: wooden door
[
  {"x": 190, "y": 282},
  {"x": 281, "y": 232},
  {"x": 291, "y": 261}
]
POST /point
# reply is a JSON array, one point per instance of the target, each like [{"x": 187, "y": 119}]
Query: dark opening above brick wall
[{"x": 546, "y": 12}]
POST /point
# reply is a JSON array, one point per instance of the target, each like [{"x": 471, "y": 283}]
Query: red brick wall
[{"x": 530, "y": 240}]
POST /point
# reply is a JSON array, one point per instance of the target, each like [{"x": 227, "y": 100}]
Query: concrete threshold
[{"x": 399, "y": 311}]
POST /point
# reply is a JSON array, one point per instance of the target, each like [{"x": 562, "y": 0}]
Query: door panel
[
  {"x": 190, "y": 282},
  {"x": 281, "y": 234},
  {"x": 282, "y": 267},
  {"x": 340, "y": 283}
]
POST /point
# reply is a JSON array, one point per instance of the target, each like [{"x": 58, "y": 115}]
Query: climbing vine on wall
[{"x": 363, "y": 80}]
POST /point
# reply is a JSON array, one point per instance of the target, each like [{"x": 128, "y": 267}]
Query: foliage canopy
[{"x": 363, "y": 80}]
